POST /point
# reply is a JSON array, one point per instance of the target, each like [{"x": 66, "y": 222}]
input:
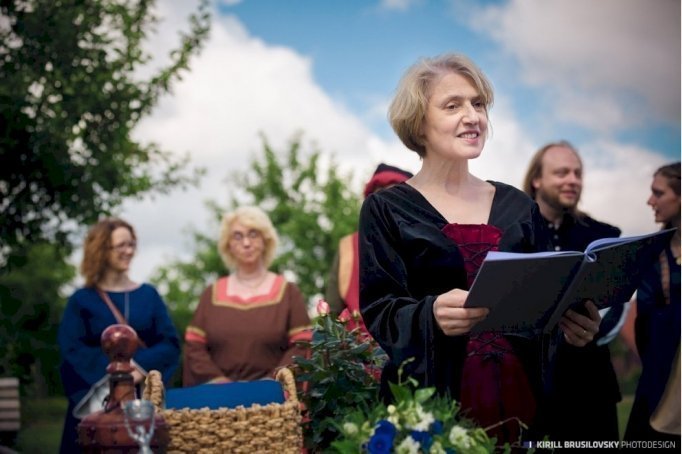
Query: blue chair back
[{"x": 226, "y": 395}]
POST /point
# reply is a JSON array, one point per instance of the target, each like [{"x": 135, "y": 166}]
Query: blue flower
[
  {"x": 437, "y": 427},
  {"x": 385, "y": 426},
  {"x": 423, "y": 438},
  {"x": 382, "y": 440}
]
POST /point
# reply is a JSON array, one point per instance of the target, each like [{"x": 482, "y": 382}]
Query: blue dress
[
  {"x": 657, "y": 334},
  {"x": 84, "y": 363}
]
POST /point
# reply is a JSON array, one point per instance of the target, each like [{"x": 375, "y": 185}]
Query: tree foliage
[
  {"x": 71, "y": 94},
  {"x": 31, "y": 301},
  {"x": 310, "y": 204}
]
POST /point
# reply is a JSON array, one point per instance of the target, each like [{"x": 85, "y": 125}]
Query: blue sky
[
  {"x": 603, "y": 74},
  {"x": 360, "y": 48}
]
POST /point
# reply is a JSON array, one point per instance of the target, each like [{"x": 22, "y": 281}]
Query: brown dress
[{"x": 244, "y": 338}]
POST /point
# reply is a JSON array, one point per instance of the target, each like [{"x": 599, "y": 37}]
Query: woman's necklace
[{"x": 254, "y": 284}]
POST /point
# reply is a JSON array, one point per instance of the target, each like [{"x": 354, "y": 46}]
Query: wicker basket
[{"x": 274, "y": 428}]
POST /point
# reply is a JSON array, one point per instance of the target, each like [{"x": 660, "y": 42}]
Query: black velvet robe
[
  {"x": 582, "y": 405},
  {"x": 406, "y": 262}
]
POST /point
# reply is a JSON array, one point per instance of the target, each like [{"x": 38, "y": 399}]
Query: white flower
[
  {"x": 408, "y": 446},
  {"x": 395, "y": 420},
  {"x": 436, "y": 448},
  {"x": 460, "y": 437},
  {"x": 424, "y": 420},
  {"x": 349, "y": 428},
  {"x": 391, "y": 409},
  {"x": 367, "y": 427}
]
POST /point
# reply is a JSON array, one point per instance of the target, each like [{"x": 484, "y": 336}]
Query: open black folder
[{"x": 530, "y": 292}]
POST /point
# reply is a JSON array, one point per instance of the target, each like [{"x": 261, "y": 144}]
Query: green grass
[
  {"x": 41, "y": 425},
  {"x": 624, "y": 407}
]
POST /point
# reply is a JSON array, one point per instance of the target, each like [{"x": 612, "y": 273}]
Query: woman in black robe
[{"x": 422, "y": 242}]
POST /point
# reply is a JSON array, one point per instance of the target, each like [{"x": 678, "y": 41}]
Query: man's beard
[{"x": 555, "y": 202}]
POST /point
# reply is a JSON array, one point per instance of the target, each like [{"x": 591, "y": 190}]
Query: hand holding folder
[{"x": 532, "y": 291}]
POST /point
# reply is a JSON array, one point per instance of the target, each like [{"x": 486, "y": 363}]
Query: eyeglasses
[
  {"x": 120, "y": 247},
  {"x": 238, "y": 237}
]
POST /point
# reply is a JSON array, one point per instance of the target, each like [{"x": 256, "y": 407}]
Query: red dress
[{"x": 494, "y": 386}]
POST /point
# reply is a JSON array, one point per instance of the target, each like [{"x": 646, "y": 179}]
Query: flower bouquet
[
  {"x": 419, "y": 421},
  {"x": 340, "y": 375}
]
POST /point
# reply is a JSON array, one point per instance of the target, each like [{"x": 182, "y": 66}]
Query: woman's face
[
  {"x": 664, "y": 201},
  {"x": 247, "y": 244},
  {"x": 121, "y": 250},
  {"x": 456, "y": 123}
]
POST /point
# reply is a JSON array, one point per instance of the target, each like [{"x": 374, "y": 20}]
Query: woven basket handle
[
  {"x": 286, "y": 378},
  {"x": 154, "y": 390}
]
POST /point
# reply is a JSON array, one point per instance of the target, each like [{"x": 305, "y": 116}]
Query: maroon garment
[{"x": 494, "y": 384}]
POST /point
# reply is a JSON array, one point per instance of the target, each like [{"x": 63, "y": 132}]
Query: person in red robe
[{"x": 343, "y": 286}]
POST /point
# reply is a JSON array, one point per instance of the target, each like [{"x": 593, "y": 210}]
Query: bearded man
[{"x": 584, "y": 391}]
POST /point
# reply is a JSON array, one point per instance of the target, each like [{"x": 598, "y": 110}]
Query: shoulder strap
[
  {"x": 114, "y": 310},
  {"x": 117, "y": 314}
]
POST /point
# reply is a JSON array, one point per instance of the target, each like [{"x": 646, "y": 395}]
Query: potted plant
[{"x": 340, "y": 375}]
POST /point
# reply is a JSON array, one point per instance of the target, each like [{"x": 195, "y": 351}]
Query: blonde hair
[
  {"x": 253, "y": 218},
  {"x": 96, "y": 249},
  {"x": 408, "y": 107}
]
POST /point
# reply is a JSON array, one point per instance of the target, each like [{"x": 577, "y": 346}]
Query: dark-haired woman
[{"x": 657, "y": 326}]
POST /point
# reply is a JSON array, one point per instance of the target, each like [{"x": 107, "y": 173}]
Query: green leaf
[{"x": 421, "y": 395}]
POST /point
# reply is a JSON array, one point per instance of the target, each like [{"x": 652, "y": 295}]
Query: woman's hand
[
  {"x": 451, "y": 315},
  {"x": 579, "y": 330},
  {"x": 219, "y": 380}
]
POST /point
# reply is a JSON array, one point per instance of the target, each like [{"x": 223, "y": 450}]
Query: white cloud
[
  {"x": 609, "y": 62},
  {"x": 617, "y": 176},
  {"x": 398, "y": 5},
  {"x": 617, "y": 182},
  {"x": 240, "y": 86}
]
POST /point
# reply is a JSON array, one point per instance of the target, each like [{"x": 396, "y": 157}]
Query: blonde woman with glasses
[{"x": 247, "y": 324}]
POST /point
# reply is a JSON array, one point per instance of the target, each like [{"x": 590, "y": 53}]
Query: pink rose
[
  {"x": 344, "y": 317},
  {"x": 322, "y": 307}
]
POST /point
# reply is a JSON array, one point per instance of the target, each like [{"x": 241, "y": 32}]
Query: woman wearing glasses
[
  {"x": 247, "y": 324},
  {"x": 108, "y": 297}
]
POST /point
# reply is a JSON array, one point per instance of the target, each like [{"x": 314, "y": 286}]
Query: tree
[
  {"x": 31, "y": 302},
  {"x": 71, "y": 94},
  {"x": 310, "y": 205}
]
